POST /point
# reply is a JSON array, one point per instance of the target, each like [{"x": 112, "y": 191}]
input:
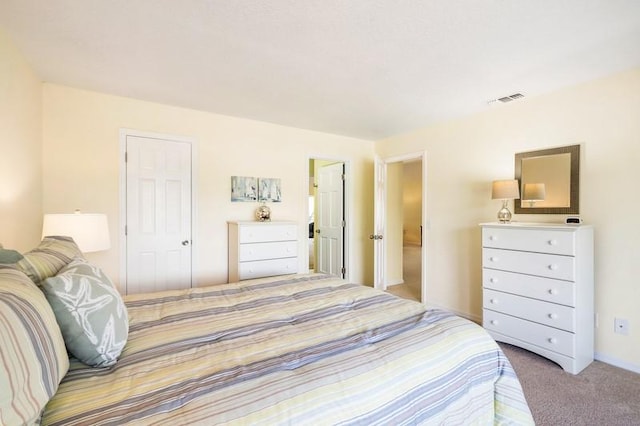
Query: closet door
[{"x": 158, "y": 214}]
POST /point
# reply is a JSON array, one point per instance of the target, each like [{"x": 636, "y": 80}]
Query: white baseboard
[
  {"x": 392, "y": 283},
  {"x": 616, "y": 362}
]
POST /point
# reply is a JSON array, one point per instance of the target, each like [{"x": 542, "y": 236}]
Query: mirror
[{"x": 549, "y": 181}]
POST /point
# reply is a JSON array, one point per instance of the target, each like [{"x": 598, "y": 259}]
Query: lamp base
[{"x": 504, "y": 215}]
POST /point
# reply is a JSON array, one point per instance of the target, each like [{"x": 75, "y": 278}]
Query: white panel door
[
  {"x": 158, "y": 214},
  {"x": 329, "y": 225},
  {"x": 378, "y": 224}
]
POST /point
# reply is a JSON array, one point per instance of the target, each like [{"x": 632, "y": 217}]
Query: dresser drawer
[
  {"x": 267, "y": 268},
  {"x": 540, "y": 241},
  {"x": 543, "y": 265},
  {"x": 558, "y": 316},
  {"x": 263, "y": 251},
  {"x": 543, "y": 336},
  {"x": 267, "y": 232},
  {"x": 548, "y": 289}
]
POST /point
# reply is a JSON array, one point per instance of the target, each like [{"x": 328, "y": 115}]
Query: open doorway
[
  {"x": 399, "y": 216},
  {"x": 327, "y": 222},
  {"x": 404, "y": 228}
]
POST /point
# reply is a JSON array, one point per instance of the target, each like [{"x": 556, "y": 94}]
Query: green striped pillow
[
  {"x": 49, "y": 257},
  {"x": 34, "y": 358}
]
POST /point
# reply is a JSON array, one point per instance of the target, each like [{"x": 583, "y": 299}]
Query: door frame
[
  {"x": 380, "y": 202},
  {"x": 122, "y": 191},
  {"x": 346, "y": 255}
]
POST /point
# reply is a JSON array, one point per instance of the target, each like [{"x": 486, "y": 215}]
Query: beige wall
[
  {"x": 412, "y": 201},
  {"x": 20, "y": 150},
  {"x": 81, "y": 170},
  {"x": 465, "y": 155},
  {"x": 394, "y": 223}
]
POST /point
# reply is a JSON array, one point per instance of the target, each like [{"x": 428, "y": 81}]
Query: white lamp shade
[
  {"x": 89, "y": 231},
  {"x": 505, "y": 190},
  {"x": 533, "y": 192}
]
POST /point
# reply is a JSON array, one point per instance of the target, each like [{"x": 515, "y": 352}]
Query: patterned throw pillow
[
  {"x": 49, "y": 257},
  {"x": 90, "y": 312},
  {"x": 33, "y": 356}
]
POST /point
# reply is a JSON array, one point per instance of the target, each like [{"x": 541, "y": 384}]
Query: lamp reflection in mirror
[
  {"x": 533, "y": 192},
  {"x": 505, "y": 190},
  {"x": 89, "y": 231}
]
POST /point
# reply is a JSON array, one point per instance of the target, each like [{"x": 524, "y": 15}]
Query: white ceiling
[{"x": 362, "y": 68}]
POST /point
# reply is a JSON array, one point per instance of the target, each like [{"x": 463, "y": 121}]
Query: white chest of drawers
[
  {"x": 262, "y": 249},
  {"x": 538, "y": 289}
]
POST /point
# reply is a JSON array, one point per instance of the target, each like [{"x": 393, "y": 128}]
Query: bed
[{"x": 295, "y": 349}]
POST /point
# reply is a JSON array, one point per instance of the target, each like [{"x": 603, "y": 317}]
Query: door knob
[
  {"x": 317, "y": 231},
  {"x": 185, "y": 243},
  {"x": 375, "y": 237}
]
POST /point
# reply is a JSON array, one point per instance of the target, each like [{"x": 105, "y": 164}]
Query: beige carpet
[
  {"x": 600, "y": 395},
  {"x": 411, "y": 272}
]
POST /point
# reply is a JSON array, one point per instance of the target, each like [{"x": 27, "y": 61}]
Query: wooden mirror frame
[{"x": 574, "y": 191}]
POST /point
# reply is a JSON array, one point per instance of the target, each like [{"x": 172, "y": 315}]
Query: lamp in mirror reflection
[
  {"x": 90, "y": 231},
  {"x": 505, "y": 190},
  {"x": 532, "y": 192}
]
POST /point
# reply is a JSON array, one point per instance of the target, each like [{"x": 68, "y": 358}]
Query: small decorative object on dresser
[
  {"x": 262, "y": 249},
  {"x": 538, "y": 289},
  {"x": 263, "y": 213}
]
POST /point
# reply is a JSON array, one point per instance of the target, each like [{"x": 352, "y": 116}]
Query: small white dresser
[
  {"x": 538, "y": 289},
  {"x": 262, "y": 249}
]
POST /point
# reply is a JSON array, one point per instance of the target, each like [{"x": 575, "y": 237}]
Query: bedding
[
  {"x": 301, "y": 349},
  {"x": 52, "y": 254},
  {"x": 33, "y": 358}
]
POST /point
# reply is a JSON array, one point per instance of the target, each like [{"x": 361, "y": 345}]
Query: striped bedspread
[{"x": 297, "y": 350}]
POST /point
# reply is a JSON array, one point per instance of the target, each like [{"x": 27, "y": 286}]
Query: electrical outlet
[{"x": 621, "y": 326}]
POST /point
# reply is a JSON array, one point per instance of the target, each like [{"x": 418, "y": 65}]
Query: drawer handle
[
  {"x": 553, "y": 316},
  {"x": 553, "y": 267},
  {"x": 493, "y": 259},
  {"x": 493, "y": 280},
  {"x": 494, "y": 301},
  {"x": 553, "y": 291},
  {"x": 494, "y": 322},
  {"x": 553, "y": 242},
  {"x": 552, "y": 340},
  {"x": 493, "y": 238}
]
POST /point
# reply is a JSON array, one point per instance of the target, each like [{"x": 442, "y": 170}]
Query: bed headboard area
[{"x": 52, "y": 303}]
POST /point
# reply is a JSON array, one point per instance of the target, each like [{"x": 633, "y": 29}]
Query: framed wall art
[
  {"x": 244, "y": 188},
  {"x": 269, "y": 190}
]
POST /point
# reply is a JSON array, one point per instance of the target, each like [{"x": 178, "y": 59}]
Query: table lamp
[
  {"x": 89, "y": 231},
  {"x": 505, "y": 190}
]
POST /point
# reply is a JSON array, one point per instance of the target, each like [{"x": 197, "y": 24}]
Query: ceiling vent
[{"x": 511, "y": 98}]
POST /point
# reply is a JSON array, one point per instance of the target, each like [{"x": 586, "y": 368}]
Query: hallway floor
[{"x": 410, "y": 289}]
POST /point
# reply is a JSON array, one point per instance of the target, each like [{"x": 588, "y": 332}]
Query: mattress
[{"x": 301, "y": 349}]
